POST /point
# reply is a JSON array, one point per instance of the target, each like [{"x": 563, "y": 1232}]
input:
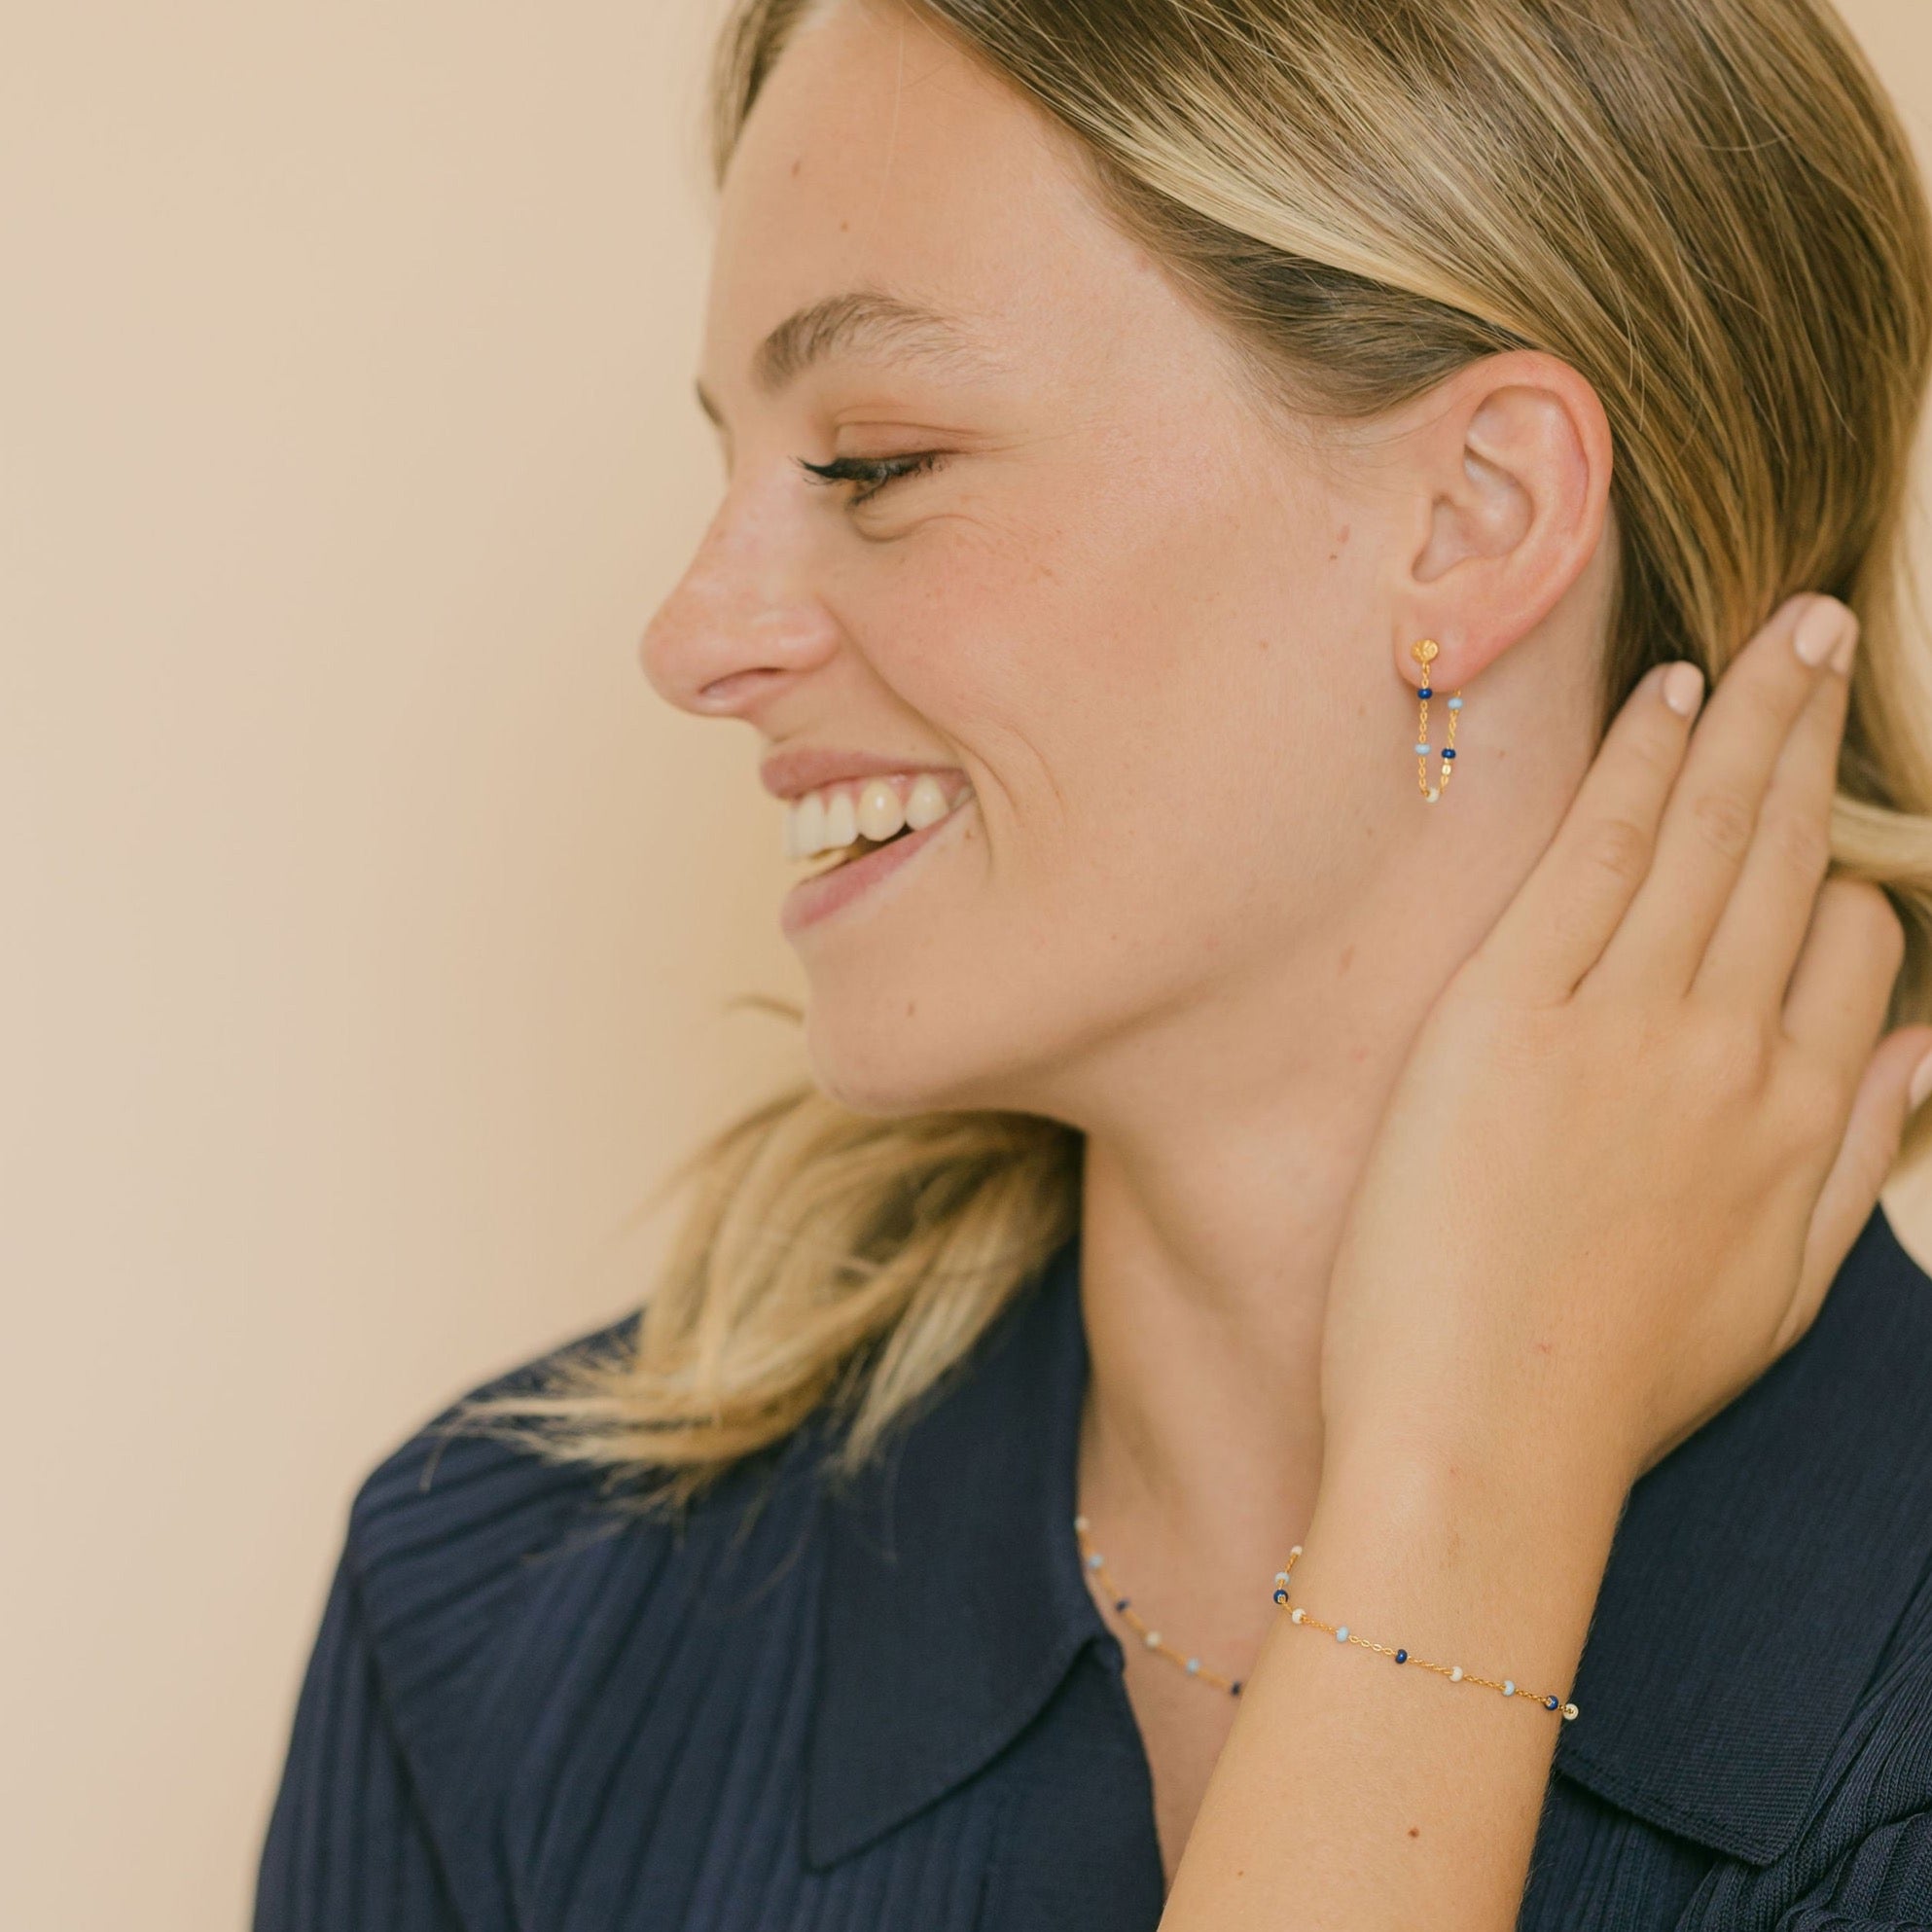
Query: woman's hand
[
  {"x": 1625, "y": 1159},
  {"x": 1643, "y": 1124}
]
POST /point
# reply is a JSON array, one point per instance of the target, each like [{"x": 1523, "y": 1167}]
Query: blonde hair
[{"x": 1705, "y": 206}]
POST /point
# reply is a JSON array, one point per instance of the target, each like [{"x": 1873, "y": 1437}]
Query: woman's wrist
[
  {"x": 1490, "y": 1555},
  {"x": 1370, "y": 1797}
]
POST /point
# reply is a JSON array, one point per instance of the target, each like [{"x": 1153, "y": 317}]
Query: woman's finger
[
  {"x": 1754, "y": 950},
  {"x": 1712, "y": 815},
  {"x": 1553, "y": 931},
  {"x": 1842, "y": 983},
  {"x": 1880, "y": 1111}
]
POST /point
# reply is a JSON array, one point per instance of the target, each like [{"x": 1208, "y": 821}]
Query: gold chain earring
[{"x": 1425, "y": 654}]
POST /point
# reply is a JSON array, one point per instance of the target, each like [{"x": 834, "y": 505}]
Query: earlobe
[{"x": 1458, "y": 651}]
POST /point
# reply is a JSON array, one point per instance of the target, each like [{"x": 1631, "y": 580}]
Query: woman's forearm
[{"x": 1359, "y": 1795}]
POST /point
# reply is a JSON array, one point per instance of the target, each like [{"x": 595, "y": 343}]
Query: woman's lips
[{"x": 825, "y": 893}]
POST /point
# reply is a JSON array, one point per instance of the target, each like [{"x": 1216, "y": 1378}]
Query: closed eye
[{"x": 875, "y": 473}]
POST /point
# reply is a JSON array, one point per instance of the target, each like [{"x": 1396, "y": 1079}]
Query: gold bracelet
[{"x": 1455, "y": 1672}]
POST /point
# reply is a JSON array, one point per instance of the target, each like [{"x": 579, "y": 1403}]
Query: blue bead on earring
[{"x": 1425, "y": 654}]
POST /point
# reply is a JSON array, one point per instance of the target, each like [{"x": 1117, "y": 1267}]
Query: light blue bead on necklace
[{"x": 1092, "y": 1560}]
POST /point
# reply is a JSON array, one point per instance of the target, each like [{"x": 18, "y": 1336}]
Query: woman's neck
[
  {"x": 1223, "y": 1149},
  {"x": 1205, "y": 1254}
]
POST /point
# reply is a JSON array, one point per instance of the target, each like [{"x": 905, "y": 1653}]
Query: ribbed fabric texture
[
  {"x": 526, "y": 1712},
  {"x": 516, "y": 1718}
]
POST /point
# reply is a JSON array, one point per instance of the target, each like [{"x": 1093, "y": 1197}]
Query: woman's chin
[
  {"x": 882, "y": 1079},
  {"x": 901, "y": 1054}
]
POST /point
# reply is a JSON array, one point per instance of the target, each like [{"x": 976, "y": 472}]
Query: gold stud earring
[{"x": 1425, "y": 654}]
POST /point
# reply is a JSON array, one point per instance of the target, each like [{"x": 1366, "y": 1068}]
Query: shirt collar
[
  {"x": 1755, "y": 1575},
  {"x": 954, "y": 1600}
]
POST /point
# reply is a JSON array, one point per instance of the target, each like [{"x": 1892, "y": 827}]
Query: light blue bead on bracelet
[
  {"x": 1456, "y": 705},
  {"x": 1421, "y": 751}
]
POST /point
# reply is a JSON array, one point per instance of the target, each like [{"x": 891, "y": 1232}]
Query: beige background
[{"x": 367, "y": 924}]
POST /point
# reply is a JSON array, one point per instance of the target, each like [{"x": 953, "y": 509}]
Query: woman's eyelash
[{"x": 875, "y": 472}]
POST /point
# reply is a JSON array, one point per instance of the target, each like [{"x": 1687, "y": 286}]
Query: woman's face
[{"x": 1144, "y": 623}]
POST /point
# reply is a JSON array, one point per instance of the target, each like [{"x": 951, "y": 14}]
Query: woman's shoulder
[
  {"x": 503, "y": 1622},
  {"x": 1759, "y": 1671},
  {"x": 463, "y": 1535},
  {"x": 453, "y": 1496}
]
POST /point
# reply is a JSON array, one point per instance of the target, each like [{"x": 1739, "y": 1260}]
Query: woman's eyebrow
[{"x": 865, "y": 322}]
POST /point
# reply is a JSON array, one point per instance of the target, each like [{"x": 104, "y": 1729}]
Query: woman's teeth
[{"x": 880, "y": 808}]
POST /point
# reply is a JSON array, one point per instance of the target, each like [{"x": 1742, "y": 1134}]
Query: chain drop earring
[{"x": 1425, "y": 654}]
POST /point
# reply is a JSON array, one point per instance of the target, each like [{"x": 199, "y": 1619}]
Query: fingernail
[
  {"x": 1847, "y": 651},
  {"x": 1684, "y": 687},
  {"x": 1921, "y": 1081},
  {"x": 1820, "y": 631}
]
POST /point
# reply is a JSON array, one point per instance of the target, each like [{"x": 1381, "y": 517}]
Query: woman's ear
[{"x": 1510, "y": 465}]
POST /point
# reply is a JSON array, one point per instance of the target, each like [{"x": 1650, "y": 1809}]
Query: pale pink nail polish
[
  {"x": 1683, "y": 688},
  {"x": 1819, "y": 630},
  {"x": 1921, "y": 1081}
]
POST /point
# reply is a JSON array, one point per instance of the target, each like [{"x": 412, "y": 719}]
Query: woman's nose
[{"x": 742, "y": 623}]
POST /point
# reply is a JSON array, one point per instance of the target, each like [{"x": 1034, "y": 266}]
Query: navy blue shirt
[{"x": 894, "y": 1707}]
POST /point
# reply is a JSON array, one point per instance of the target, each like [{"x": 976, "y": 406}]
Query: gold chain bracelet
[{"x": 1455, "y": 1672}]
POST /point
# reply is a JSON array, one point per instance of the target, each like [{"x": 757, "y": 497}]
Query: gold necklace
[{"x": 1151, "y": 1638}]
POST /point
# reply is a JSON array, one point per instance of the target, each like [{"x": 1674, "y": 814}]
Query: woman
[{"x": 1228, "y": 1138}]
